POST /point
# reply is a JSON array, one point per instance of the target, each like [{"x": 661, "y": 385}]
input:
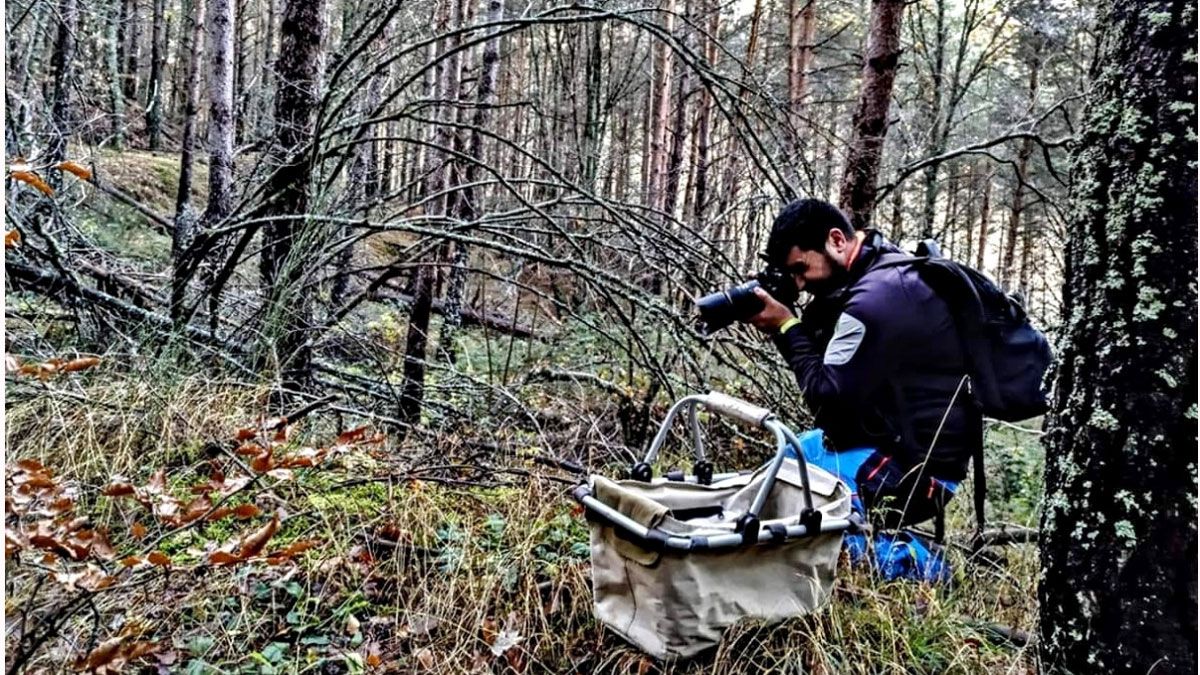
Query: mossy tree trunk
[{"x": 1118, "y": 547}]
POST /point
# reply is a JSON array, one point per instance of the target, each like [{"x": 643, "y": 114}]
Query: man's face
[{"x": 820, "y": 272}]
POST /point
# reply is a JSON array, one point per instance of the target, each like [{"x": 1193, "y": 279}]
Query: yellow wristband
[{"x": 788, "y": 324}]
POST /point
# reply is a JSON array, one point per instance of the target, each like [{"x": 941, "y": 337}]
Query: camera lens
[{"x": 720, "y": 309}]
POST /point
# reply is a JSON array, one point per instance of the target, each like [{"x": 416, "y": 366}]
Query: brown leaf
[
  {"x": 12, "y": 238},
  {"x": 245, "y": 434},
  {"x": 72, "y": 167},
  {"x": 84, "y": 363},
  {"x": 247, "y": 511},
  {"x": 352, "y": 436},
  {"x": 30, "y": 465},
  {"x": 490, "y": 630},
  {"x": 117, "y": 489},
  {"x": 223, "y": 558},
  {"x": 253, "y": 544},
  {"x": 196, "y": 508},
  {"x": 103, "y": 654},
  {"x": 102, "y": 548},
  {"x": 299, "y": 547},
  {"x": 158, "y": 558},
  {"x": 249, "y": 449},
  {"x": 131, "y": 561},
  {"x": 138, "y": 530},
  {"x": 263, "y": 463},
  {"x": 220, "y": 513},
  {"x": 32, "y": 179},
  {"x": 14, "y": 542}
]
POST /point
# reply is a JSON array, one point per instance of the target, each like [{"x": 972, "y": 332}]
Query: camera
[{"x": 738, "y": 303}]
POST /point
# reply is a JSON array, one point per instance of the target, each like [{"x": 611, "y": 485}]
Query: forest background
[{"x": 314, "y": 309}]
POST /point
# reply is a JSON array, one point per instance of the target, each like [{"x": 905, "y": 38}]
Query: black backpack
[{"x": 1006, "y": 356}]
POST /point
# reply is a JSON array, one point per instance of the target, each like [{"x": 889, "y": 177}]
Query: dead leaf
[
  {"x": 131, "y": 561},
  {"x": 159, "y": 558},
  {"x": 84, "y": 363},
  {"x": 253, "y": 544},
  {"x": 12, "y": 238},
  {"x": 223, "y": 558},
  {"x": 138, "y": 530},
  {"x": 352, "y": 436},
  {"x": 424, "y": 656},
  {"x": 118, "y": 489},
  {"x": 352, "y": 625},
  {"x": 32, "y": 179},
  {"x": 72, "y": 167}
]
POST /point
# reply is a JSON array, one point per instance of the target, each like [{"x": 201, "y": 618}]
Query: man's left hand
[{"x": 772, "y": 315}]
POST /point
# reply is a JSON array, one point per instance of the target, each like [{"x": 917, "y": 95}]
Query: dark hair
[{"x": 805, "y": 223}]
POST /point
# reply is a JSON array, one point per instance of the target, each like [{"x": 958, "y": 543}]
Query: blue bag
[{"x": 900, "y": 555}]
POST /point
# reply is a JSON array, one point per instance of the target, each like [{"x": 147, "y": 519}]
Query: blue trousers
[{"x": 844, "y": 464}]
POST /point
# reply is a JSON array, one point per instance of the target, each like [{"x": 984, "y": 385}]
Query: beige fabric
[{"x": 678, "y": 604}]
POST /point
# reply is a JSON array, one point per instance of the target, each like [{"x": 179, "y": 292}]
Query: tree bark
[
  {"x": 158, "y": 56},
  {"x": 985, "y": 215},
  {"x": 857, "y": 197},
  {"x": 1118, "y": 588},
  {"x": 467, "y": 205},
  {"x": 116, "y": 97},
  {"x": 289, "y": 240},
  {"x": 133, "y": 51},
  {"x": 64, "y": 65},
  {"x": 191, "y": 108},
  {"x": 1024, "y": 153}
]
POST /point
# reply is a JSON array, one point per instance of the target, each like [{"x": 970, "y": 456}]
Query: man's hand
[{"x": 772, "y": 316}]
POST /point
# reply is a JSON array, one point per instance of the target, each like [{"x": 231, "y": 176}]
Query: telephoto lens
[{"x": 720, "y": 309}]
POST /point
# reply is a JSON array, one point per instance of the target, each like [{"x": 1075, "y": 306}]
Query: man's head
[{"x": 814, "y": 242}]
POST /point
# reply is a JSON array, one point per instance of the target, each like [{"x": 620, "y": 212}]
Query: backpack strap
[{"x": 980, "y": 491}]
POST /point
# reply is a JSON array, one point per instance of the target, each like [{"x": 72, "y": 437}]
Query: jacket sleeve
[{"x": 867, "y": 340}]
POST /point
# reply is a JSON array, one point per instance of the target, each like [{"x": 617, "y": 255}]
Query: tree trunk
[
  {"x": 467, "y": 206},
  {"x": 871, "y": 119},
  {"x": 985, "y": 215},
  {"x": 191, "y": 108},
  {"x": 289, "y": 241},
  {"x": 116, "y": 97},
  {"x": 1118, "y": 548},
  {"x": 412, "y": 391},
  {"x": 64, "y": 65},
  {"x": 133, "y": 51},
  {"x": 704, "y": 121},
  {"x": 662, "y": 114},
  {"x": 1008, "y": 255},
  {"x": 934, "y": 120},
  {"x": 220, "y": 154},
  {"x": 158, "y": 48}
]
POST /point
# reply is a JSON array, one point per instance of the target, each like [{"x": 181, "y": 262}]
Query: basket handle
[{"x": 736, "y": 408}]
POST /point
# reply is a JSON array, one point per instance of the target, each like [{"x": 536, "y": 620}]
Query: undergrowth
[{"x": 466, "y": 564}]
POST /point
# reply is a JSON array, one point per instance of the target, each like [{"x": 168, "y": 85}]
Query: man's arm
[{"x": 866, "y": 341}]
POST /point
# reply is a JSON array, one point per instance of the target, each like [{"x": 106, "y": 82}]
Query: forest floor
[
  {"x": 221, "y": 542},
  {"x": 429, "y": 556}
]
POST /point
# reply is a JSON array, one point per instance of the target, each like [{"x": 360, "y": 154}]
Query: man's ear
[{"x": 836, "y": 239}]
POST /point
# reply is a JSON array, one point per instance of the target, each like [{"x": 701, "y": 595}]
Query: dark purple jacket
[{"x": 880, "y": 365}]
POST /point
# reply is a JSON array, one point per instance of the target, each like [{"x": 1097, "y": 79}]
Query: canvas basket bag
[{"x": 673, "y": 590}]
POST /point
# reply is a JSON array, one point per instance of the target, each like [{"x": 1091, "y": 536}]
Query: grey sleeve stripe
[{"x": 847, "y": 336}]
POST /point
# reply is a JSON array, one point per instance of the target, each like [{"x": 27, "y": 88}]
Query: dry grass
[{"x": 424, "y": 573}]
